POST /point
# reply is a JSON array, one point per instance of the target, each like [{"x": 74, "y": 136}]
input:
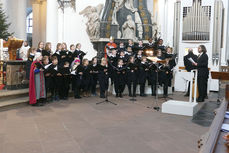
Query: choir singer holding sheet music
[{"x": 202, "y": 77}]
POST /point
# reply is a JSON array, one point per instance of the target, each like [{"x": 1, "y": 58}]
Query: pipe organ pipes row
[{"x": 196, "y": 23}]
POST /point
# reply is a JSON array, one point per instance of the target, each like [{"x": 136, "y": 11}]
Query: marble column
[{"x": 52, "y": 23}]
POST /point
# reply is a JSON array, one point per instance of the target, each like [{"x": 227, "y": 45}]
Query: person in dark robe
[
  {"x": 129, "y": 52},
  {"x": 40, "y": 47},
  {"x": 161, "y": 46},
  {"x": 94, "y": 67},
  {"x": 138, "y": 56},
  {"x": 119, "y": 78},
  {"x": 87, "y": 77},
  {"x": 143, "y": 70},
  {"x": 140, "y": 46},
  {"x": 123, "y": 57},
  {"x": 65, "y": 72},
  {"x": 58, "y": 50},
  {"x": 152, "y": 77},
  {"x": 130, "y": 44},
  {"x": 150, "y": 44},
  {"x": 77, "y": 77},
  {"x": 203, "y": 73},
  {"x": 188, "y": 65},
  {"x": 103, "y": 77},
  {"x": 121, "y": 47},
  {"x": 166, "y": 75},
  {"x": 112, "y": 62},
  {"x": 78, "y": 53},
  {"x": 132, "y": 70},
  {"x": 30, "y": 56},
  {"x": 47, "y": 75},
  {"x": 47, "y": 51},
  {"x": 37, "y": 93}
]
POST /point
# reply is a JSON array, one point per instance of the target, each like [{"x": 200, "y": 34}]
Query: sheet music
[
  {"x": 46, "y": 66},
  {"x": 191, "y": 60}
]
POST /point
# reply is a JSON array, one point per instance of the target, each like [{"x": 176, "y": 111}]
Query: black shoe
[
  {"x": 134, "y": 95},
  {"x": 186, "y": 95},
  {"x": 117, "y": 95},
  {"x": 143, "y": 95},
  {"x": 77, "y": 97},
  {"x": 130, "y": 95},
  {"x": 153, "y": 94},
  {"x": 200, "y": 100},
  {"x": 102, "y": 96},
  {"x": 120, "y": 95}
]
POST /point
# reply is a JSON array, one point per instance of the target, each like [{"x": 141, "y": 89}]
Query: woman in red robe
[{"x": 37, "y": 93}]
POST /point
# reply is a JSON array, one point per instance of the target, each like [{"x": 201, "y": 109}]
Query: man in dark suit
[
  {"x": 203, "y": 73},
  {"x": 188, "y": 64}
]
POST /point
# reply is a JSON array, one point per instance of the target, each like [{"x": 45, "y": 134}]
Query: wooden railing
[{"x": 212, "y": 141}]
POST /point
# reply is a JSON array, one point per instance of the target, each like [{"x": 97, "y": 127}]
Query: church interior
[{"x": 114, "y": 76}]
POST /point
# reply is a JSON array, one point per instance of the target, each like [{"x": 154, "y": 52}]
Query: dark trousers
[
  {"x": 202, "y": 87},
  {"x": 93, "y": 84},
  {"x": 86, "y": 84},
  {"x": 55, "y": 86},
  {"x": 153, "y": 88},
  {"x": 65, "y": 87},
  {"x": 103, "y": 85},
  {"x": 142, "y": 87},
  {"x": 77, "y": 84},
  {"x": 119, "y": 87},
  {"x": 132, "y": 85}
]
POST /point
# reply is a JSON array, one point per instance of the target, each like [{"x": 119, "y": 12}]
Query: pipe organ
[
  {"x": 176, "y": 27},
  {"x": 196, "y": 22},
  {"x": 217, "y": 32}
]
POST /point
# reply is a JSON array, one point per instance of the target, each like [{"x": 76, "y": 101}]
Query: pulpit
[{"x": 13, "y": 44}]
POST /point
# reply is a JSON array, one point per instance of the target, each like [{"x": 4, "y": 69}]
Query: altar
[{"x": 12, "y": 71}]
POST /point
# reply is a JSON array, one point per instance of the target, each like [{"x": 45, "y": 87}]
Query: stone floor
[{"x": 81, "y": 126}]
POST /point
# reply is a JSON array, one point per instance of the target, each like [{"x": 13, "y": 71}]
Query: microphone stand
[
  {"x": 106, "y": 98},
  {"x": 156, "y": 105},
  {"x": 132, "y": 98}
]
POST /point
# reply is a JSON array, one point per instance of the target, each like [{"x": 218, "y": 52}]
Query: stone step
[
  {"x": 14, "y": 101},
  {"x": 12, "y": 94}
]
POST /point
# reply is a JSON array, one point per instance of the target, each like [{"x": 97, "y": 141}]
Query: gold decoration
[
  {"x": 147, "y": 29},
  {"x": 145, "y": 21},
  {"x": 108, "y": 27},
  {"x": 143, "y": 14}
]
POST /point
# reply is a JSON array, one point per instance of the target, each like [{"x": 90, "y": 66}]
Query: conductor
[{"x": 202, "y": 77}]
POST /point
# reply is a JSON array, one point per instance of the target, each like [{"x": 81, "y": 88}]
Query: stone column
[
  {"x": 52, "y": 23},
  {"x": 39, "y": 22}
]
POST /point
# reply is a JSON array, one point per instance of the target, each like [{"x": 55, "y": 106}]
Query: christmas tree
[{"x": 4, "y": 25}]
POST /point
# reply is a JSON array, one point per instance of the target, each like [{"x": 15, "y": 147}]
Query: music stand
[
  {"x": 157, "y": 62},
  {"x": 220, "y": 76}
]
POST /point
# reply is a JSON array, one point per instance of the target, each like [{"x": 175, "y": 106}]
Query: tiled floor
[{"x": 81, "y": 126}]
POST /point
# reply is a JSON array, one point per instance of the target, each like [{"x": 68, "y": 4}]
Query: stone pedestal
[{"x": 13, "y": 74}]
